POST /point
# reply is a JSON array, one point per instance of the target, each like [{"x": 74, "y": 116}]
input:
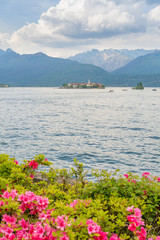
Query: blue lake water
[{"x": 102, "y": 129}]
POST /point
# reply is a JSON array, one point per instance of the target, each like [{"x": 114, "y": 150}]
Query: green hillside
[
  {"x": 144, "y": 65},
  {"x": 122, "y": 80},
  {"x": 41, "y": 70}
]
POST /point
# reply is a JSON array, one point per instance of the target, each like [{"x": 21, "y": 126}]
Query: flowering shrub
[
  {"x": 44, "y": 226},
  {"x": 16, "y": 227},
  {"x": 35, "y": 204},
  {"x": 136, "y": 222},
  {"x": 33, "y": 164},
  {"x": 65, "y": 206}
]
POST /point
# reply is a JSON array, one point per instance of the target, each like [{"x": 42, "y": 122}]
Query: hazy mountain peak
[
  {"x": 9, "y": 51},
  {"x": 1, "y": 51},
  {"x": 110, "y": 59},
  {"x": 40, "y": 54}
]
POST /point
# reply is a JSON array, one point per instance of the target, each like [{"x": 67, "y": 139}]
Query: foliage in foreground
[{"x": 65, "y": 206}]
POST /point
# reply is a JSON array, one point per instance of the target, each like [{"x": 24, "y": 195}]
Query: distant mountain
[
  {"x": 145, "y": 69},
  {"x": 1, "y": 52},
  {"x": 144, "y": 65},
  {"x": 41, "y": 70},
  {"x": 110, "y": 59}
]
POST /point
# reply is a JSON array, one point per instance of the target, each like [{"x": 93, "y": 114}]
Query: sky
[{"x": 63, "y": 28}]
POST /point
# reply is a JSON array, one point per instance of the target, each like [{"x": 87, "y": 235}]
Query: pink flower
[
  {"x": 1, "y": 203},
  {"x": 8, "y": 219},
  {"x": 143, "y": 230},
  {"x": 61, "y": 223},
  {"x": 131, "y": 218},
  {"x": 64, "y": 237},
  {"x": 158, "y": 238},
  {"x": 91, "y": 229},
  {"x": 145, "y": 173},
  {"x": 132, "y": 227},
  {"x": 142, "y": 234},
  {"x": 24, "y": 224},
  {"x": 74, "y": 203},
  {"x": 137, "y": 212},
  {"x": 33, "y": 164},
  {"x": 43, "y": 216},
  {"x": 36, "y": 204},
  {"x": 134, "y": 181},
  {"x": 158, "y": 179},
  {"x": 90, "y": 221},
  {"x": 130, "y": 209},
  {"x": 126, "y": 175},
  {"x": 11, "y": 194},
  {"x": 114, "y": 237},
  {"x": 103, "y": 236},
  {"x": 16, "y": 162},
  {"x": 141, "y": 237}
]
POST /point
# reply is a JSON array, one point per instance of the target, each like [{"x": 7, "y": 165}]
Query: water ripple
[{"x": 105, "y": 131}]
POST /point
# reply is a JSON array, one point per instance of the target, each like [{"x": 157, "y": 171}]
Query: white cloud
[
  {"x": 83, "y": 19},
  {"x": 4, "y": 37},
  {"x": 78, "y": 24},
  {"x": 154, "y": 15}
]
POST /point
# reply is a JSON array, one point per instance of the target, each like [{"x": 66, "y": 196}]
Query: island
[
  {"x": 83, "y": 85},
  {"x": 139, "y": 86}
]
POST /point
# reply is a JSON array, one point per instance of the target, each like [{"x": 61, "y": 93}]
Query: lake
[{"x": 103, "y": 129}]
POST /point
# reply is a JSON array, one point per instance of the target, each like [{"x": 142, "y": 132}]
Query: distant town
[
  {"x": 83, "y": 85},
  {"x": 3, "y": 85}
]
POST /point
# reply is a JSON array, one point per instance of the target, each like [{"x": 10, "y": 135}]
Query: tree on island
[
  {"x": 65, "y": 85},
  {"x": 139, "y": 86}
]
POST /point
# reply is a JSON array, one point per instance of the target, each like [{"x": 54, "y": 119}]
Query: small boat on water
[
  {"x": 154, "y": 89},
  {"x": 111, "y": 90}
]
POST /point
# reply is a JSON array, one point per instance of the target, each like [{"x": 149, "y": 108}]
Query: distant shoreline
[{"x": 4, "y": 85}]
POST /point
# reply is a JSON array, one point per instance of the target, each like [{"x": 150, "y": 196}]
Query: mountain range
[
  {"x": 43, "y": 71},
  {"x": 110, "y": 59}
]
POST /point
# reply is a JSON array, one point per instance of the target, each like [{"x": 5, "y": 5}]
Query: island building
[
  {"x": 84, "y": 85},
  {"x": 3, "y": 85}
]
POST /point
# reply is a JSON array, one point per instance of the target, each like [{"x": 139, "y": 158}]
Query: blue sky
[
  {"x": 62, "y": 28},
  {"x": 14, "y": 14}
]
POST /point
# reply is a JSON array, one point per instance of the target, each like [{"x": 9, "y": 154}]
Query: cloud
[
  {"x": 72, "y": 24},
  {"x": 84, "y": 19},
  {"x": 4, "y": 37},
  {"x": 91, "y": 18},
  {"x": 154, "y": 16}
]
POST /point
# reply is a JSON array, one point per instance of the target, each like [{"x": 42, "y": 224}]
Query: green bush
[{"x": 104, "y": 201}]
